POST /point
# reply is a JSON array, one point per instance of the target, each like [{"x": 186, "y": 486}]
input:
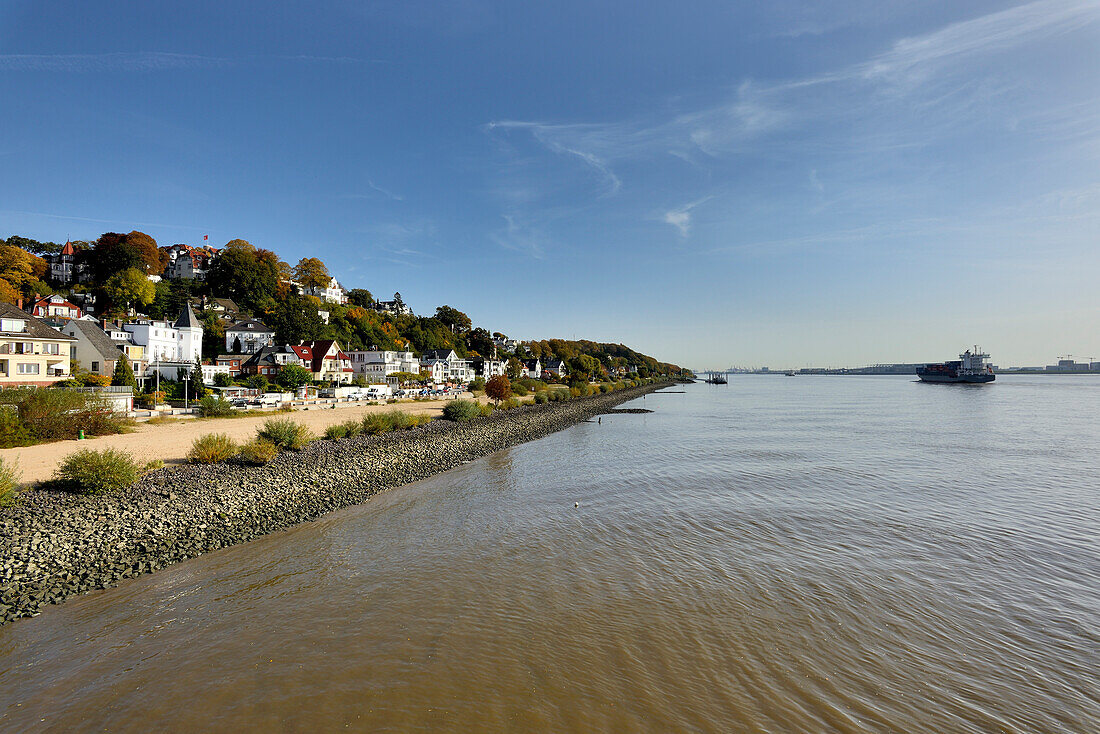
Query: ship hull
[{"x": 944, "y": 378}]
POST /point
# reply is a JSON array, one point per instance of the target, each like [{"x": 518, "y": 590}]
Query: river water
[{"x": 844, "y": 554}]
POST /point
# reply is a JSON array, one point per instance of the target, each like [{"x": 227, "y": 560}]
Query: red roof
[{"x": 68, "y": 249}]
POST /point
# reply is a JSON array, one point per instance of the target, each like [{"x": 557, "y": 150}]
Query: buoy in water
[{"x": 576, "y": 504}]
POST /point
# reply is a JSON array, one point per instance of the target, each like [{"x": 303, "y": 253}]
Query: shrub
[
  {"x": 215, "y": 406},
  {"x": 542, "y": 397},
  {"x": 461, "y": 410},
  {"x": 257, "y": 451},
  {"x": 57, "y": 414},
  {"x": 223, "y": 380},
  {"x": 574, "y": 392},
  {"x": 510, "y": 404},
  {"x": 477, "y": 385},
  {"x": 13, "y": 431},
  {"x": 94, "y": 472},
  {"x": 347, "y": 429},
  {"x": 9, "y": 482},
  {"x": 284, "y": 433},
  {"x": 486, "y": 410},
  {"x": 375, "y": 423},
  {"x": 604, "y": 387},
  {"x": 213, "y": 448},
  {"x": 519, "y": 390},
  {"x": 531, "y": 385}
]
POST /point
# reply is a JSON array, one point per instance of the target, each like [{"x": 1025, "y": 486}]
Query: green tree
[
  {"x": 124, "y": 374},
  {"x": 360, "y": 297},
  {"x": 293, "y": 376},
  {"x": 514, "y": 367},
  {"x": 498, "y": 388},
  {"x": 584, "y": 367},
  {"x": 257, "y": 382},
  {"x": 198, "y": 386},
  {"x": 223, "y": 380},
  {"x": 453, "y": 319},
  {"x": 294, "y": 320},
  {"x": 478, "y": 340},
  {"x": 129, "y": 289},
  {"x": 248, "y": 275}
]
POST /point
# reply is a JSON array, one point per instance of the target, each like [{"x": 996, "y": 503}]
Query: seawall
[{"x": 54, "y": 545}]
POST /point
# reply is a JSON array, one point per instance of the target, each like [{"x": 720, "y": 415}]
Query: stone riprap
[{"x": 55, "y": 544}]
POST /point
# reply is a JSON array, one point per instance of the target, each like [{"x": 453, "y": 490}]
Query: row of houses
[{"x": 54, "y": 333}]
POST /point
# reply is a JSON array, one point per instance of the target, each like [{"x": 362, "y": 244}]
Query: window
[
  {"x": 95, "y": 366},
  {"x": 28, "y": 368},
  {"x": 51, "y": 348},
  {"x": 13, "y": 325}
]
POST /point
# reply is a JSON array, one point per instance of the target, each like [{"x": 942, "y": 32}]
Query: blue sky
[{"x": 714, "y": 183}]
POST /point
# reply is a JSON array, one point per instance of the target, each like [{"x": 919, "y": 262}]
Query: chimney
[{"x": 19, "y": 303}]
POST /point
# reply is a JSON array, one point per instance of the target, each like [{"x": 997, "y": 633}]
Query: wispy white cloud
[
  {"x": 917, "y": 55},
  {"x": 150, "y": 61},
  {"x": 681, "y": 218},
  {"x": 519, "y": 237},
  {"x": 758, "y": 111}
]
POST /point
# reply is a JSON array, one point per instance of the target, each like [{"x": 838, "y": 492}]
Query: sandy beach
[{"x": 170, "y": 442}]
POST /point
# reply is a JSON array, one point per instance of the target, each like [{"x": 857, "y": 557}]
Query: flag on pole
[{"x": 206, "y": 236}]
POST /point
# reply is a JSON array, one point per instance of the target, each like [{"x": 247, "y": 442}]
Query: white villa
[
  {"x": 377, "y": 364},
  {"x": 169, "y": 346},
  {"x": 445, "y": 366},
  {"x": 248, "y": 337},
  {"x": 333, "y": 293}
]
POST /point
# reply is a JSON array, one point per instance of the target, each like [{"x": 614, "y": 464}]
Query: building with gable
[{"x": 31, "y": 351}]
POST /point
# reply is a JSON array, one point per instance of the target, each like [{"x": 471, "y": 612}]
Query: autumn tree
[
  {"x": 114, "y": 252},
  {"x": 129, "y": 288},
  {"x": 498, "y": 388},
  {"x": 312, "y": 273},
  {"x": 22, "y": 271}
]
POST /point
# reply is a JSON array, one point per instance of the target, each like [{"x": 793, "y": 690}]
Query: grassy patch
[
  {"x": 258, "y": 451},
  {"x": 285, "y": 433},
  {"x": 213, "y": 448},
  {"x": 9, "y": 482}
]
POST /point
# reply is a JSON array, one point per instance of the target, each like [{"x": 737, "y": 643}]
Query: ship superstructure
[{"x": 970, "y": 367}]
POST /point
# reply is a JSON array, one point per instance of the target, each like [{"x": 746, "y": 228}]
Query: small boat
[
  {"x": 716, "y": 378},
  {"x": 970, "y": 367},
  {"x": 789, "y": 373}
]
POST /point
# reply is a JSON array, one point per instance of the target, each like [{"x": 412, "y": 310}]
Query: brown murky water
[{"x": 817, "y": 554}]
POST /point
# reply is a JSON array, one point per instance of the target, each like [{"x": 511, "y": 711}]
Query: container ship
[{"x": 970, "y": 367}]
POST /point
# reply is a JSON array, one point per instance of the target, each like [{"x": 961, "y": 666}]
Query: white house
[
  {"x": 377, "y": 364},
  {"x": 532, "y": 368},
  {"x": 169, "y": 342},
  {"x": 209, "y": 370},
  {"x": 186, "y": 262},
  {"x": 333, "y": 292},
  {"x": 492, "y": 367},
  {"x": 446, "y": 366},
  {"x": 556, "y": 367},
  {"x": 248, "y": 336}
]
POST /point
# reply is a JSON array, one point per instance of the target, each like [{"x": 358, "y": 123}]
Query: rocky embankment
[{"x": 54, "y": 544}]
